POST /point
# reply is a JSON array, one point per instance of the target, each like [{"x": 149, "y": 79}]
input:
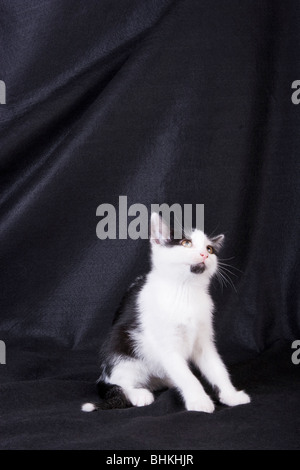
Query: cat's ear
[
  {"x": 160, "y": 232},
  {"x": 218, "y": 241}
]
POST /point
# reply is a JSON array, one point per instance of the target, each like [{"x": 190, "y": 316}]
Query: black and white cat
[{"x": 163, "y": 324}]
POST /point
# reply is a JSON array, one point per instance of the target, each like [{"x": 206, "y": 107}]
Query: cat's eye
[
  {"x": 186, "y": 243},
  {"x": 210, "y": 249}
]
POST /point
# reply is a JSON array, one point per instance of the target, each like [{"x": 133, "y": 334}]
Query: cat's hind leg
[
  {"x": 139, "y": 396},
  {"x": 131, "y": 375}
]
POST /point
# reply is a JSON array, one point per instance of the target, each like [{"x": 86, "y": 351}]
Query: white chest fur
[{"x": 175, "y": 315}]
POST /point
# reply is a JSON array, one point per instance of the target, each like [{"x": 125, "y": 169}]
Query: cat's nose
[{"x": 203, "y": 256}]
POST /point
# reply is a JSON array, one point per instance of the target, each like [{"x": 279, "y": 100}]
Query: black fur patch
[
  {"x": 112, "y": 396},
  {"x": 126, "y": 321},
  {"x": 130, "y": 297},
  {"x": 217, "y": 243},
  {"x": 173, "y": 241},
  {"x": 197, "y": 268},
  {"x": 120, "y": 342}
]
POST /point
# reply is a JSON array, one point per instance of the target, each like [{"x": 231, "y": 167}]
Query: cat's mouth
[{"x": 197, "y": 268}]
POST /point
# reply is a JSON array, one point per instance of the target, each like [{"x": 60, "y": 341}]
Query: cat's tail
[{"x": 112, "y": 397}]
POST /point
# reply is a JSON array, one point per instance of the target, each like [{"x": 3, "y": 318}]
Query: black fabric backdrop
[{"x": 162, "y": 101}]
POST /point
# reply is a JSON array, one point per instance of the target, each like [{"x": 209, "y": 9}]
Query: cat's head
[{"x": 195, "y": 253}]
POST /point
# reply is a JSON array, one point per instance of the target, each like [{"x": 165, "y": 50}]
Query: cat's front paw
[
  {"x": 235, "y": 398},
  {"x": 204, "y": 404}
]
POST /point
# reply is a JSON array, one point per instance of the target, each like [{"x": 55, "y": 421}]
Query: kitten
[{"x": 165, "y": 322}]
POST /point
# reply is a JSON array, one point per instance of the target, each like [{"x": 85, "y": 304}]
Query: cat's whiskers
[
  {"x": 228, "y": 270},
  {"x": 221, "y": 282},
  {"x": 226, "y": 278},
  {"x": 229, "y": 266}
]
